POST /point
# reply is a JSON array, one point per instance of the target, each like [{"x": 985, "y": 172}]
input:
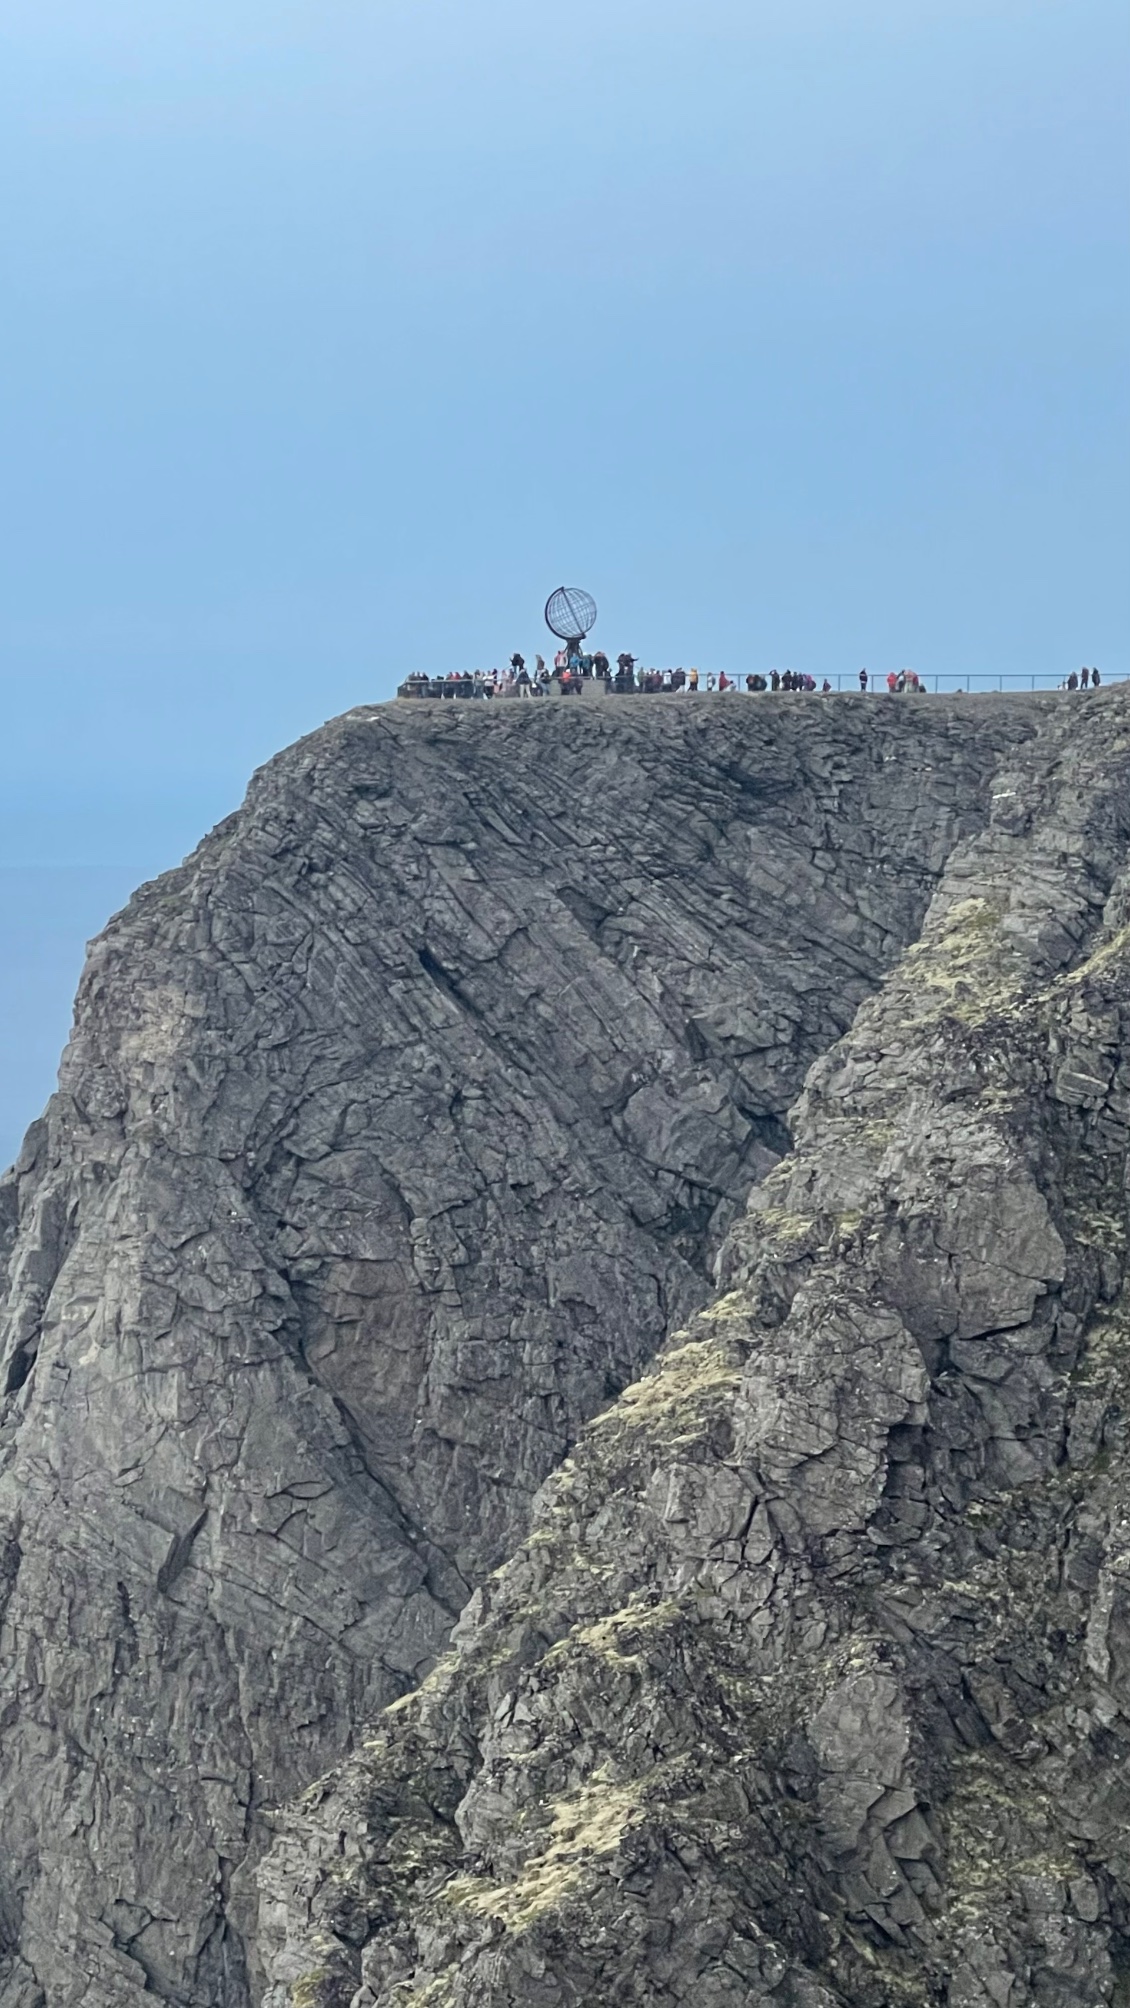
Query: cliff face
[
  {"x": 810, "y": 1685},
  {"x": 399, "y": 1129}
]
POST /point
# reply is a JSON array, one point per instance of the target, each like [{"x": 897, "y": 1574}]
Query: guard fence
[{"x": 980, "y": 683}]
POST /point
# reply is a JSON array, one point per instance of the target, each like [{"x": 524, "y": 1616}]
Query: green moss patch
[
  {"x": 672, "y": 1403},
  {"x": 583, "y": 1828}
]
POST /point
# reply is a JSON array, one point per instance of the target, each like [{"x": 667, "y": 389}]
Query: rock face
[
  {"x": 399, "y": 1129},
  {"x": 810, "y": 1685}
]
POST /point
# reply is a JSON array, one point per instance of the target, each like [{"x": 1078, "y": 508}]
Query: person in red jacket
[{"x": 892, "y": 682}]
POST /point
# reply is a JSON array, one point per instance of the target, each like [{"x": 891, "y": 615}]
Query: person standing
[
  {"x": 863, "y": 679},
  {"x": 692, "y": 680},
  {"x": 892, "y": 682},
  {"x": 1094, "y": 679},
  {"x": 1084, "y": 678}
]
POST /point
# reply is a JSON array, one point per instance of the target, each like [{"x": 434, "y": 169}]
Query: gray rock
[
  {"x": 811, "y": 1681},
  {"x": 397, "y": 1131}
]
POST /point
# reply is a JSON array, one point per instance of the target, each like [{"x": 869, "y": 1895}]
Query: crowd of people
[
  {"x": 573, "y": 671},
  {"x": 570, "y": 674},
  {"x": 627, "y": 679}
]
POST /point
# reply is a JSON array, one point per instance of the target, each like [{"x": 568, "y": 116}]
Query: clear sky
[{"x": 334, "y": 335}]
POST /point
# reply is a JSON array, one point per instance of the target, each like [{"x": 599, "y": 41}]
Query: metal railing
[
  {"x": 979, "y": 681},
  {"x": 943, "y": 684}
]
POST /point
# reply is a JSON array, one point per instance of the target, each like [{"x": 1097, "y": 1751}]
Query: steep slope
[
  {"x": 811, "y": 1684},
  {"x": 397, "y": 1130}
]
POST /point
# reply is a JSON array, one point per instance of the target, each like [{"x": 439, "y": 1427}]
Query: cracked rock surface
[
  {"x": 809, "y": 1686},
  {"x": 398, "y": 1130}
]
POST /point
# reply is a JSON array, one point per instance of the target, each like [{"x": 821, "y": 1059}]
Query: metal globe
[{"x": 570, "y": 613}]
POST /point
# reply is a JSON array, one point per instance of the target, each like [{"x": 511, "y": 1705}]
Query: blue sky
[{"x": 334, "y": 335}]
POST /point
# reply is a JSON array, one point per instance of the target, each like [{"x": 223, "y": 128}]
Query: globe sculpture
[{"x": 570, "y": 613}]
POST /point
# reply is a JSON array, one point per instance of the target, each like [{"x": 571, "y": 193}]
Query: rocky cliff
[
  {"x": 810, "y": 1685},
  {"x": 445, "y": 1086}
]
